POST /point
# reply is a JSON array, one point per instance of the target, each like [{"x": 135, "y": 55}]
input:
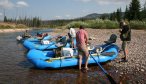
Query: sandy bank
[{"x": 12, "y": 30}]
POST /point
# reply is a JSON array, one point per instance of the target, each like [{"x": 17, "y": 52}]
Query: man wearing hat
[{"x": 125, "y": 36}]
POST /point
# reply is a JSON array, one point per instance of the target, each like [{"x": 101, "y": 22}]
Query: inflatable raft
[
  {"x": 50, "y": 45},
  {"x": 32, "y": 39},
  {"x": 48, "y": 59}
]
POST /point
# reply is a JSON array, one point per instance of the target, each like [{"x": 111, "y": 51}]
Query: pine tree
[
  {"x": 127, "y": 14},
  {"x": 144, "y": 7},
  {"x": 119, "y": 14},
  {"x": 5, "y": 19},
  {"x": 143, "y": 12},
  {"x": 104, "y": 16},
  {"x": 113, "y": 16},
  {"x": 134, "y": 10}
]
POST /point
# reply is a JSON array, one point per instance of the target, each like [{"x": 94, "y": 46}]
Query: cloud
[
  {"x": 86, "y": 0},
  {"x": 6, "y": 4},
  {"x": 86, "y": 11},
  {"x": 58, "y": 17},
  {"x": 107, "y": 2},
  {"x": 21, "y": 4},
  {"x": 68, "y": 15},
  {"x": 1, "y": 14}
]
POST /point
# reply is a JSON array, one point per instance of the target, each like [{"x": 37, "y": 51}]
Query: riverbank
[
  {"x": 12, "y": 30},
  {"x": 133, "y": 71},
  {"x": 21, "y": 29}
]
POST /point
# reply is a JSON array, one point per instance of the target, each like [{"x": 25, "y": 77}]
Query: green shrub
[
  {"x": 108, "y": 24},
  {"x": 11, "y": 26},
  {"x": 76, "y": 24},
  {"x": 20, "y": 26},
  {"x": 111, "y": 24},
  {"x": 138, "y": 24},
  {"x": 6, "y": 27},
  {"x": 97, "y": 24}
]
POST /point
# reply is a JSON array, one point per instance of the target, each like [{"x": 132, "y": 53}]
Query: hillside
[{"x": 92, "y": 16}]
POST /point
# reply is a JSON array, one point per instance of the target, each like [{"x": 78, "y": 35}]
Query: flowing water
[{"x": 16, "y": 69}]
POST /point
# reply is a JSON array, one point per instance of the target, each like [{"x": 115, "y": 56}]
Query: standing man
[
  {"x": 72, "y": 36},
  {"x": 125, "y": 36},
  {"x": 82, "y": 40}
]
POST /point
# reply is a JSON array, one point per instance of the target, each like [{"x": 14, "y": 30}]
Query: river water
[{"x": 16, "y": 69}]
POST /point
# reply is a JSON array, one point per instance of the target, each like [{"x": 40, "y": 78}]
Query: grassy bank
[
  {"x": 138, "y": 24},
  {"x": 11, "y": 26},
  {"x": 95, "y": 24},
  {"x": 105, "y": 24}
]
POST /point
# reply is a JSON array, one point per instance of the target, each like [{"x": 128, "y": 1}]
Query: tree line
[
  {"x": 30, "y": 22},
  {"x": 132, "y": 12}
]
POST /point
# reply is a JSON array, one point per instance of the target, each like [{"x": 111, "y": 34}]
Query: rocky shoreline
[{"x": 136, "y": 66}]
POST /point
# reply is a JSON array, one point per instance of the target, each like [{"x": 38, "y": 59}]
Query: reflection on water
[
  {"x": 15, "y": 69},
  {"x": 69, "y": 76}
]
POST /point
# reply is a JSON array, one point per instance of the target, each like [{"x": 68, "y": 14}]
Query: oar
[
  {"x": 105, "y": 72},
  {"x": 65, "y": 57},
  {"x": 58, "y": 58}
]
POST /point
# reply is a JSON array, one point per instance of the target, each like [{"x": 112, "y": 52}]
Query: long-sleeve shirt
[{"x": 81, "y": 38}]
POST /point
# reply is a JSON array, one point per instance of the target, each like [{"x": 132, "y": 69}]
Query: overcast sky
[{"x": 59, "y": 9}]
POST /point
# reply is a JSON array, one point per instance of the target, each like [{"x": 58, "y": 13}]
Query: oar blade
[{"x": 112, "y": 81}]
